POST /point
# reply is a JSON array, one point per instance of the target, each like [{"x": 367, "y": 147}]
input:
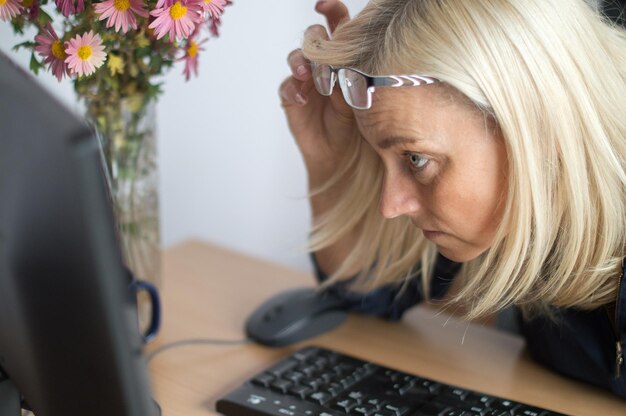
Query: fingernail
[
  {"x": 301, "y": 70},
  {"x": 300, "y": 99},
  {"x": 319, "y": 3}
]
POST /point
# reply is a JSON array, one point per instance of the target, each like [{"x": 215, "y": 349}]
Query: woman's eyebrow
[{"x": 388, "y": 142}]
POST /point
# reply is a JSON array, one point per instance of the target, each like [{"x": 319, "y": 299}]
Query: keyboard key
[
  {"x": 456, "y": 412},
  {"x": 320, "y": 397},
  {"x": 308, "y": 370},
  {"x": 502, "y": 404},
  {"x": 282, "y": 367},
  {"x": 281, "y": 386},
  {"x": 479, "y": 398},
  {"x": 376, "y": 401},
  {"x": 454, "y": 392},
  {"x": 335, "y": 390},
  {"x": 383, "y": 413},
  {"x": 300, "y": 391},
  {"x": 344, "y": 369},
  {"x": 497, "y": 412},
  {"x": 293, "y": 376},
  {"x": 357, "y": 396},
  {"x": 347, "y": 381},
  {"x": 315, "y": 384},
  {"x": 364, "y": 410},
  {"x": 527, "y": 411},
  {"x": 398, "y": 408},
  {"x": 306, "y": 353},
  {"x": 431, "y": 409},
  {"x": 263, "y": 380},
  {"x": 429, "y": 385},
  {"x": 320, "y": 363},
  {"x": 345, "y": 405},
  {"x": 475, "y": 408}
]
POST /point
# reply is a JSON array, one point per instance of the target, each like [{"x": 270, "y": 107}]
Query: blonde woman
[{"x": 482, "y": 141}]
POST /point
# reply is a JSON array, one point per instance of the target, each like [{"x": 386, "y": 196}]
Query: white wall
[{"x": 230, "y": 171}]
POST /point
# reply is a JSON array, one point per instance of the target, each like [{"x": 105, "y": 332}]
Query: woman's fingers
[
  {"x": 290, "y": 93},
  {"x": 300, "y": 68},
  {"x": 335, "y": 12}
]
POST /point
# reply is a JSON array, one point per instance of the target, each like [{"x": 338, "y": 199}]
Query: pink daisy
[
  {"x": 67, "y": 7},
  {"x": 191, "y": 57},
  {"x": 50, "y": 47},
  {"x": 179, "y": 19},
  {"x": 214, "y": 7},
  {"x": 216, "y": 21},
  {"x": 84, "y": 54},
  {"x": 9, "y": 9},
  {"x": 121, "y": 13}
]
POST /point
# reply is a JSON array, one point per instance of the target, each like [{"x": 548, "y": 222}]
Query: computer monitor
[{"x": 69, "y": 339}]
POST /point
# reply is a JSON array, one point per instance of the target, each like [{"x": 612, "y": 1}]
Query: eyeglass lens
[
  {"x": 354, "y": 88},
  {"x": 353, "y": 84},
  {"x": 324, "y": 78}
]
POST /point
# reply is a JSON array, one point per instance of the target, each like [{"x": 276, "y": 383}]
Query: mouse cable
[{"x": 195, "y": 341}]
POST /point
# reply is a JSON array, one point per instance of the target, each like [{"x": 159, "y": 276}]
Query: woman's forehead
[{"x": 403, "y": 108}]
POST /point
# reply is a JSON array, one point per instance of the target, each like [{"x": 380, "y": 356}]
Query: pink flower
[
  {"x": 179, "y": 19},
  {"x": 191, "y": 57},
  {"x": 121, "y": 13},
  {"x": 9, "y": 9},
  {"x": 67, "y": 7},
  {"x": 216, "y": 21},
  {"x": 214, "y": 7},
  {"x": 84, "y": 54},
  {"x": 50, "y": 47},
  {"x": 32, "y": 7}
]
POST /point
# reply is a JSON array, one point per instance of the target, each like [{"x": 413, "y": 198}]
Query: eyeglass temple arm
[{"x": 402, "y": 80}]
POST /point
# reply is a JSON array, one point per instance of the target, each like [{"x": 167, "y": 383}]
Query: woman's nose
[{"x": 399, "y": 197}]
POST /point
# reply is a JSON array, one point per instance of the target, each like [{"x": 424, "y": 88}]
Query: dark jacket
[{"x": 585, "y": 345}]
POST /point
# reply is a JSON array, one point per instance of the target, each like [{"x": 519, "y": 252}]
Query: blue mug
[{"x": 136, "y": 286}]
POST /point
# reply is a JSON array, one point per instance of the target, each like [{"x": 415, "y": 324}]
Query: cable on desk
[{"x": 196, "y": 341}]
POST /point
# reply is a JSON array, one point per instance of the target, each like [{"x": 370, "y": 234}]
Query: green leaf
[
  {"x": 18, "y": 25},
  {"x": 43, "y": 18},
  {"x": 25, "y": 45},
  {"x": 34, "y": 64}
]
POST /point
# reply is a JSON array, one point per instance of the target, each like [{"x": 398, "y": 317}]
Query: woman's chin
[{"x": 459, "y": 255}]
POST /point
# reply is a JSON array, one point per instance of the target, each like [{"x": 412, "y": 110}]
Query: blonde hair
[{"x": 552, "y": 74}]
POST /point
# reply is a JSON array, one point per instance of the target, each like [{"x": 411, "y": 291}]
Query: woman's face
[{"x": 445, "y": 166}]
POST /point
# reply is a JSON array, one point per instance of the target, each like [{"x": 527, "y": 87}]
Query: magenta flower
[
  {"x": 191, "y": 57},
  {"x": 121, "y": 13},
  {"x": 51, "y": 48},
  {"x": 32, "y": 7},
  {"x": 179, "y": 19},
  {"x": 9, "y": 9},
  {"x": 216, "y": 21},
  {"x": 214, "y": 7},
  {"x": 67, "y": 7},
  {"x": 85, "y": 54}
]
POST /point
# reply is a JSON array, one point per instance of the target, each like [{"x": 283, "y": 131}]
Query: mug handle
[{"x": 155, "y": 319}]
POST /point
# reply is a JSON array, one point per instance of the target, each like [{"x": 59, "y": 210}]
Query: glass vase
[{"x": 126, "y": 129}]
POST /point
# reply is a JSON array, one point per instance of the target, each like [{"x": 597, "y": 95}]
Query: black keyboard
[{"x": 319, "y": 382}]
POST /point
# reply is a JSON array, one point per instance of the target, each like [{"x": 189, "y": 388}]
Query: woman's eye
[{"x": 417, "y": 161}]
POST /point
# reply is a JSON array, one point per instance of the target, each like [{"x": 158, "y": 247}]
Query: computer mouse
[{"x": 295, "y": 315}]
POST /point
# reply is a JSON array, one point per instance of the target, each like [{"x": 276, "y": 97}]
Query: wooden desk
[{"x": 210, "y": 291}]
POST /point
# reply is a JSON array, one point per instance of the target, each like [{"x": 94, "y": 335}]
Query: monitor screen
[{"x": 69, "y": 339}]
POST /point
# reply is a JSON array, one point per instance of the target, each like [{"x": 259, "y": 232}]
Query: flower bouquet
[{"x": 114, "y": 51}]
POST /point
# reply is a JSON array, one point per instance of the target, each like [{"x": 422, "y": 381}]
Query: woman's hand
[{"x": 322, "y": 126}]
